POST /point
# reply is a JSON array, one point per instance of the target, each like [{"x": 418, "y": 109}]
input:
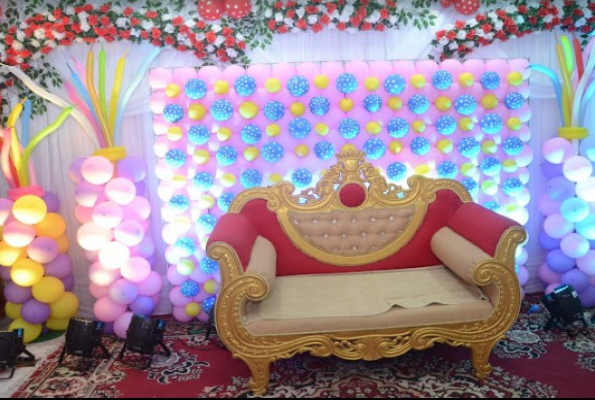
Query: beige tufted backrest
[{"x": 352, "y": 233}]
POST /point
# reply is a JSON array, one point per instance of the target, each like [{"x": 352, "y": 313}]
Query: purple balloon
[
  {"x": 547, "y": 242},
  {"x": 60, "y": 268},
  {"x": 52, "y": 201},
  {"x": 587, "y": 297},
  {"x": 559, "y": 262},
  {"x": 75, "y": 169},
  {"x": 550, "y": 170},
  {"x": 577, "y": 279},
  {"x": 68, "y": 283},
  {"x": 109, "y": 328},
  {"x": 35, "y": 312},
  {"x": 141, "y": 188},
  {"x": 143, "y": 305},
  {"x": 132, "y": 168},
  {"x": 17, "y": 294},
  {"x": 5, "y": 273},
  {"x": 123, "y": 292},
  {"x": 547, "y": 275}
]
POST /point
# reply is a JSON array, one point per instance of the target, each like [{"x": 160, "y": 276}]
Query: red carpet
[{"x": 532, "y": 363}]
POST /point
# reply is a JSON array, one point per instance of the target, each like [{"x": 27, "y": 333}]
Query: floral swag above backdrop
[{"x": 27, "y": 34}]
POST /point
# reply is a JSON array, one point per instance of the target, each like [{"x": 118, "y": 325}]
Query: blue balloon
[
  {"x": 298, "y": 86},
  {"x": 551, "y": 171},
  {"x": 560, "y": 189},
  {"x": 374, "y": 148},
  {"x": 514, "y": 100},
  {"x": 195, "y": 89},
  {"x": 205, "y": 224},
  {"x": 349, "y": 128},
  {"x": 397, "y": 127},
  {"x": 203, "y": 181},
  {"x": 513, "y": 187},
  {"x": 465, "y": 104},
  {"x": 272, "y": 152},
  {"x": 189, "y": 288},
  {"x": 575, "y": 209},
  {"x": 208, "y": 304},
  {"x": 447, "y": 169},
  {"x": 173, "y": 113},
  {"x": 227, "y": 155},
  {"x": 471, "y": 186},
  {"x": 221, "y": 110},
  {"x": 198, "y": 135},
  {"x": 586, "y": 228},
  {"x": 319, "y": 105},
  {"x": 175, "y": 158},
  {"x": 420, "y": 146},
  {"x": 395, "y": 84},
  {"x": 396, "y": 171},
  {"x": 513, "y": 146},
  {"x": 587, "y": 148},
  {"x": 346, "y": 83},
  {"x": 469, "y": 147},
  {"x": 490, "y": 166},
  {"x": 184, "y": 247},
  {"x": 442, "y": 80},
  {"x": 373, "y": 103},
  {"x": 225, "y": 200},
  {"x": 547, "y": 242},
  {"x": 446, "y": 125},
  {"x": 491, "y": 205},
  {"x": 274, "y": 110},
  {"x": 208, "y": 265},
  {"x": 251, "y": 134},
  {"x": 301, "y": 177},
  {"x": 179, "y": 203},
  {"x": 324, "y": 150},
  {"x": 245, "y": 85},
  {"x": 418, "y": 104},
  {"x": 300, "y": 128},
  {"x": 490, "y": 80},
  {"x": 559, "y": 262},
  {"x": 491, "y": 123},
  {"x": 250, "y": 178}
]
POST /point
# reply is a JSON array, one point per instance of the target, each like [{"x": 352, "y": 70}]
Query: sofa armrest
[
  {"x": 263, "y": 262},
  {"x": 237, "y": 231}
]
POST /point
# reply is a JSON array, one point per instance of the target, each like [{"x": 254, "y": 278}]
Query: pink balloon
[
  {"x": 92, "y": 256},
  {"x": 557, "y": 150},
  {"x": 138, "y": 210},
  {"x": 132, "y": 168},
  {"x": 123, "y": 292},
  {"x": 83, "y": 214},
  {"x": 129, "y": 233},
  {"x": 5, "y": 210},
  {"x": 551, "y": 287},
  {"x": 87, "y": 194},
  {"x": 108, "y": 215},
  {"x": 201, "y": 296},
  {"x": 122, "y": 324},
  {"x": 181, "y": 315},
  {"x": 75, "y": 170},
  {"x": 136, "y": 270},
  {"x": 174, "y": 277},
  {"x": 177, "y": 298},
  {"x": 17, "y": 234},
  {"x": 108, "y": 311},
  {"x": 523, "y": 276},
  {"x": 199, "y": 276},
  {"x": 93, "y": 237},
  {"x": 120, "y": 191},
  {"x": 97, "y": 170},
  {"x": 114, "y": 255},
  {"x": 150, "y": 286},
  {"x": 145, "y": 249},
  {"x": 43, "y": 250},
  {"x": 98, "y": 291},
  {"x": 102, "y": 276},
  {"x": 547, "y": 275},
  {"x": 203, "y": 317}
]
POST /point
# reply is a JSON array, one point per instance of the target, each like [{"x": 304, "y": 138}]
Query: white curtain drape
[{"x": 54, "y": 156}]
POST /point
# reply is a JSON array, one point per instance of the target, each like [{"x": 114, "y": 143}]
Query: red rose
[
  {"x": 105, "y": 8},
  {"x": 290, "y": 4},
  {"x": 93, "y": 20},
  {"x": 168, "y": 40},
  {"x": 459, "y": 25},
  {"x": 24, "y": 67},
  {"x": 182, "y": 48},
  {"x": 302, "y": 24},
  {"x": 221, "y": 53},
  {"x": 76, "y": 27},
  {"x": 278, "y": 5},
  {"x": 227, "y": 31},
  {"x": 470, "y": 35},
  {"x": 211, "y": 37},
  {"x": 156, "y": 43},
  {"x": 184, "y": 29},
  {"x": 440, "y": 34},
  {"x": 384, "y": 14},
  {"x": 241, "y": 45},
  {"x": 391, "y": 4},
  {"x": 200, "y": 54},
  {"x": 487, "y": 28},
  {"x": 361, "y": 13},
  {"x": 177, "y": 21},
  {"x": 366, "y": 26},
  {"x": 568, "y": 21},
  {"x": 230, "y": 41},
  {"x": 365, "y": 3},
  {"x": 57, "y": 13},
  {"x": 65, "y": 42},
  {"x": 144, "y": 35},
  {"x": 501, "y": 13},
  {"x": 330, "y": 7},
  {"x": 201, "y": 25},
  {"x": 451, "y": 35},
  {"x": 341, "y": 26},
  {"x": 355, "y": 22},
  {"x": 125, "y": 34},
  {"x": 105, "y": 20},
  {"x": 134, "y": 21},
  {"x": 543, "y": 12},
  {"x": 533, "y": 20},
  {"x": 155, "y": 33},
  {"x": 151, "y": 14},
  {"x": 317, "y": 27},
  {"x": 586, "y": 29},
  {"x": 312, "y": 10},
  {"x": 271, "y": 24},
  {"x": 89, "y": 40},
  {"x": 380, "y": 27},
  {"x": 511, "y": 27},
  {"x": 325, "y": 19},
  {"x": 128, "y": 11},
  {"x": 282, "y": 29},
  {"x": 88, "y": 7},
  {"x": 290, "y": 14}
]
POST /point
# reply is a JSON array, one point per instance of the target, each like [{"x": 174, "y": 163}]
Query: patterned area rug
[{"x": 531, "y": 363}]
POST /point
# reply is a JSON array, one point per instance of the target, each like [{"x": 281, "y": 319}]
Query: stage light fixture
[
  {"x": 83, "y": 337},
  {"x": 566, "y": 309},
  {"x": 11, "y": 348},
  {"x": 143, "y": 336}
]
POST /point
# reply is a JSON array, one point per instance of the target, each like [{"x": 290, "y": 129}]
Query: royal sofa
[{"x": 361, "y": 269}]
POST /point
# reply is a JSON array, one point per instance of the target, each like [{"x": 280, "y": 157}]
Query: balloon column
[
  {"x": 221, "y": 131},
  {"x": 111, "y": 205},
  {"x": 33, "y": 241},
  {"x": 569, "y": 201}
]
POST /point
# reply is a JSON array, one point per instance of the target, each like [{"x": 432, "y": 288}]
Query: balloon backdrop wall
[
  {"x": 111, "y": 202},
  {"x": 568, "y": 203},
  {"x": 33, "y": 243},
  {"x": 221, "y": 131}
]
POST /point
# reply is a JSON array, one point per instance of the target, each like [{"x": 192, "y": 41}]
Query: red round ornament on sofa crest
[{"x": 352, "y": 195}]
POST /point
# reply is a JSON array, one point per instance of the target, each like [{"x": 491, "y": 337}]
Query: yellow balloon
[
  {"x": 346, "y": 105},
  {"x": 395, "y": 147},
  {"x": 179, "y": 181},
  {"x": 321, "y": 81},
  {"x": 514, "y": 124},
  {"x": 445, "y": 146},
  {"x": 251, "y": 153},
  {"x": 53, "y": 225},
  {"x": 65, "y": 307},
  {"x": 273, "y": 130},
  {"x": 13, "y": 311},
  {"x": 221, "y": 87},
  {"x": 10, "y": 255},
  {"x": 418, "y": 126},
  {"x": 489, "y": 187},
  {"x": 418, "y": 81},
  {"x": 175, "y": 133},
  {"x": 422, "y": 169},
  {"x": 210, "y": 286},
  {"x": 515, "y": 78},
  {"x": 443, "y": 103},
  {"x": 489, "y": 147},
  {"x": 272, "y": 85},
  {"x": 275, "y": 178},
  {"x": 466, "y": 79},
  {"x": 466, "y": 124},
  {"x": 373, "y": 128},
  {"x": 26, "y": 273},
  {"x": 298, "y": 109},
  {"x": 193, "y": 309},
  {"x": 302, "y": 151},
  {"x": 29, "y": 210},
  {"x": 48, "y": 290},
  {"x": 322, "y": 129},
  {"x": 172, "y": 90},
  {"x": 395, "y": 103},
  {"x": 201, "y": 156},
  {"x": 57, "y": 324},
  {"x": 489, "y": 101},
  {"x": 248, "y": 110},
  {"x": 509, "y": 166},
  {"x": 224, "y": 134},
  {"x": 196, "y": 111},
  {"x": 228, "y": 180},
  {"x": 468, "y": 169},
  {"x": 63, "y": 244},
  {"x": 372, "y": 83},
  {"x": 31, "y": 331},
  {"x": 206, "y": 201},
  {"x": 186, "y": 267}
]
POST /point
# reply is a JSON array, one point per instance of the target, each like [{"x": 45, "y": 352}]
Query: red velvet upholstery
[
  {"x": 352, "y": 195},
  {"x": 291, "y": 261},
  {"x": 466, "y": 220},
  {"x": 237, "y": 231}
]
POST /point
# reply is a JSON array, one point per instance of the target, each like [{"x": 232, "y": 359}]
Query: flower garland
[{"x": 514, "y": 22}]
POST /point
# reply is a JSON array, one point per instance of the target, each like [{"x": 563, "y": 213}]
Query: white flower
[
  {"x": 121, "y": 22},
  {"x": 51, "y": 17},
  {"x": 166, "y": 17},
  {"x": 19, "y": 59},
  {"x": 39, "y": 33},
  {"x": 581, "y": 22},
  {"x": 493, "y": 15},
  {"x": 375, "y": 17},
  {"x": 288, "y": 22},
  {"x": 76, "y": 40},
  {"x": 59, "y": 36},
  {"x": 489, "y": 36},
  {"x": 348, "y": 11},
  {"x": 312, "y": 19},
  {"x": 85, "y": 27},
  {"x": 201, "y": 36},
  {"x": 35, "y": 43},
  {"x": 147, "y": 25},
  {"x": 20, "y": 35},
  {"x": 453, "y": 46},
  {"x": 548, "y": 18},
  {"x": 239, "y": 36},
  {"x": 216, "y": 28},
  {"x": 220, "y": 39},
  {"x": 169, "y": 28},
  {"x": 82, "y": 16},
  {"x": 392, "y": 19},
  {"x": 268, "y": 13},
  {"x": 232, "y": 53},
  {"x": 17, "y": 45},
  {"x": 470, "y": 44},
  {"x": 461, "y": 35},
  {"x": 50, "y": 43},
  {"x": 38, "y": 55},
  {"x": 190, "y": 23},
  {"x": 352, "y": 30},
  {"x": 135, "y": 32},
  {"x": 498, "y": 25},
  {"x": 117, "y": 9},
  {"x": 471, "y": 23},
  {"x": 588, "y": 13},
  {"x": 278, "y": 17},
  {"x": 210, "y": 48},
  {"x": 511, "y": 9},
  {"x": 300, "y": 12},
  {"x": 69, "y": 10},
  {"x": 519, "y": 20},
  {"x": 443, "y": 41}
]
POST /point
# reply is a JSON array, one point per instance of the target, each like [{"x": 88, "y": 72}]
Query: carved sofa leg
[
  {"x": 480, "y": 355},
  {"x": 261, "y": 374}
]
